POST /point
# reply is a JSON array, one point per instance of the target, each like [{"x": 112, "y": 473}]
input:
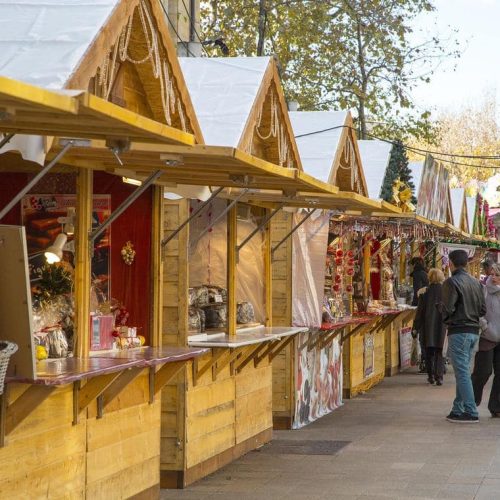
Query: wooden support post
[
  {"x": 216, "y": 355},
  {"x": 115, "y": 388},
  {"x": 26, "y": 404},
  {"x": 166, "y": 373},
  {"x": 402, "y": 262},
  {"x": 151, "y": 384},
  {"x": 4, "y": 397},
  {"x": 93, "y": 389},
  {"x": 367, "y": 249},
  {"x": 283, "y": 345},
  {"x": 232, "y": 241},
  {"x": 84, "y": 196},
  {"x": 249, "y": 357},
  {"x": 156, "y": 268},
  {"x": 269, "y": 347},
  {"x": 268, "y": 273}
]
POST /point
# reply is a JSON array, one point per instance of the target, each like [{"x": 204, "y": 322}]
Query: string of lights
[{"x": 422, "y": 152}]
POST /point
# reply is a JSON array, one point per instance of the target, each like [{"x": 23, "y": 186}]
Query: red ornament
[
  {"x": 338, "y": 261},
  {"x": 350, "y": 271},
  {"x": 336, "y": 288},
  {"x": 338, "y": 278},
  {"x": 349, "y": 289},
  {"x": 350, "y": 254},
  {"x": 350, "y": 262},
  {"x": 340, "y": 253}
]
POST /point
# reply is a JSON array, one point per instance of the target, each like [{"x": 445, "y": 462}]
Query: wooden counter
[{"x": 87, "y": 428}]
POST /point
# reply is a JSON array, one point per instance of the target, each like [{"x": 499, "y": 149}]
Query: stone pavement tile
[
  {"x": 458, "y": 491},
  {"x": 409, "y": 466}
]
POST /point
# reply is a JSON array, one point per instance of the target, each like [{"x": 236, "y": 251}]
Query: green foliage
[
  {"x": 54, "y": 281},
  {"x": 339, "y": 54},
  {"x": 397, "y": 169}
]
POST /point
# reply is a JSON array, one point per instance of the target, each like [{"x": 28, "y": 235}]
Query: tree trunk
[
  {"x": 362, "y": 119},
  {"x": 364, "y": 81},
  {"x": 261, "y": 27}
]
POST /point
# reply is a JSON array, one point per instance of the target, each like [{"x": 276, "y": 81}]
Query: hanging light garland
[{"x": 171, "y": 103}]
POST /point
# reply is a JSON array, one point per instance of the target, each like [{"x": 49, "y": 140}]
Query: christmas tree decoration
[{"x": 397, "y": 169}]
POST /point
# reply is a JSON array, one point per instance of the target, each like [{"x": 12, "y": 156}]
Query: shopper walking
[
  {"x": 463, "y": 304},
  {"x": 429, "y": 324},
  {"x": 488, "y": 357},
  {"x": 420, "y": 280},
  {"x": 419, "y": 276}
]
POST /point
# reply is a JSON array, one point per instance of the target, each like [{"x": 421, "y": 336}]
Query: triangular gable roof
[
  {"x": 328, "y": 148},
  {"x": 416, "y": 168},
  {"x": 470, "y": 202},
  {"x": 69, "y": 44},
  {"x": 459, "y": 208},
  {"x": 375, "y": 156},
  {"x": 237, "y": 100}
]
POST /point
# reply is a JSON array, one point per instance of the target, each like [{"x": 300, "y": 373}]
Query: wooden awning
[
  {"x": 27, "y": 109},
  {"x": 197, "y": 165},
  {"x": 344, "y": 201}
]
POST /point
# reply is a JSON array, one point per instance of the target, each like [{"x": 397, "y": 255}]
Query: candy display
[{"x": 245, "y": 313}]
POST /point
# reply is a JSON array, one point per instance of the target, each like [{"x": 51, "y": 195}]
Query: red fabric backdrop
[{"x": 131, "y": 285}]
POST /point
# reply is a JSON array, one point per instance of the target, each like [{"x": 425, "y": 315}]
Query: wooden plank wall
[
  {"x": 282, "y": 314},
  {"x": 203, "y": 425},
  {"x": 123, "y": 447},
  {"x": 174, "y": 333},
  {"x": 45, "y": 456},
  {"x": 358, "y": 382}
]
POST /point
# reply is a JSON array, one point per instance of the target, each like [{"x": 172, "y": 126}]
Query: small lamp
[
  {"x": 69, "y": 226},
  {"x": 53, "y": 254}
]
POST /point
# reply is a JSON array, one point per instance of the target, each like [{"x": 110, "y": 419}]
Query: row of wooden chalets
[{"x": 186, "y": 264}]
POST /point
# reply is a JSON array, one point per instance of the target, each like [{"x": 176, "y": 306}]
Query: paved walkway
[{"x": 401, "y": 447}]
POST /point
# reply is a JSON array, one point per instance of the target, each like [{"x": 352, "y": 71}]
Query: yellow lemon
[
  {"x": 41, "y": 352},
  {"x": 142, "y": 339}
]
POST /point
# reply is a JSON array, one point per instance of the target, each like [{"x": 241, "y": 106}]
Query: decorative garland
[{"x": 171, "y": 103}]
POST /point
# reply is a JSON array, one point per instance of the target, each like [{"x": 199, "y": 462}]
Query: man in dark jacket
[{"x": 463, "y": 304}]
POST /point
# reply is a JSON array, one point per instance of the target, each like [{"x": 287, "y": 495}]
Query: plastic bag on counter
[
  {"x": 216, "y": 294},
  {"x": 194, "y": 320},
  {"x": 216, "y": 316},
  {"x": 245, "y": 313},
  {"x": 56, "y": 343},
  {"x": 198, "y": 296}
]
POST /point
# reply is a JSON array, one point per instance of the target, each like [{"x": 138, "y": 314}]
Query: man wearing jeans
[{"x": 463, "y": 305}]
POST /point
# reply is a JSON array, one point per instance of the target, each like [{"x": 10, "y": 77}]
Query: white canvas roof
[
  {"x": 457, "y": 203},
  {"x": 317, "y": 151},
  {"x": 42, "y": 42},
  {"x": 375, "y": 157},
  {"x": 223, "y": 91},
  {"x": 471, "y": 211},
  {"x": 416, "y": 168}
]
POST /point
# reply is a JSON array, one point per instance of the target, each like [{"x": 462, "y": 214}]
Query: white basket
[{"x": 7, "y": 349}]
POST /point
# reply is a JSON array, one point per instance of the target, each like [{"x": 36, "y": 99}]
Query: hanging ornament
[
  {"x": 340, "y": 253},
  {"x": 128, "y": 253}
]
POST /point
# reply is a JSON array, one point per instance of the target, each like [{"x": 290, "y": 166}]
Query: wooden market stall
[
  {"x": 218, "y": 288},
  {"x": 308, "y": 375},
  {"x": 85, "y": 426}
]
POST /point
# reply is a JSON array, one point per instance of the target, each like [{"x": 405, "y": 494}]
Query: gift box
[{"x": 101, "y": 329}]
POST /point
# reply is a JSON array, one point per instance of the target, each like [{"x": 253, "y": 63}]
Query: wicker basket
[{"x": 7, "y": 349}]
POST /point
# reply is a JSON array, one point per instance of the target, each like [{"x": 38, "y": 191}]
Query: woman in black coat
[{"x": 429, "y": 324}]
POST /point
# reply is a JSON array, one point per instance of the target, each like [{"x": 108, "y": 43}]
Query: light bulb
[{"x": 54, "y": 253}]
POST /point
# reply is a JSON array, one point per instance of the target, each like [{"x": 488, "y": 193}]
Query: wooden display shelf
[
  {"x": 105, "y": 375},
  {"x": 251, "y": 344}
]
